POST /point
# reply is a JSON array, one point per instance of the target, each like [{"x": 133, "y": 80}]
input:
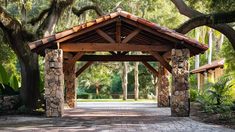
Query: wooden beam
[
  {"x": 131, "y": 35},
  {"x": 76, "y": 57},
  {"x": 152, "y": 31},
  {"x": 118, "y": 31},
  {"x": 162, "y": 61},
  {"x": 112, "y": 52},
  {"x": 167, "y": 55},
  {"x": 67, "y": 55},
  {"x": 112, "y": 58},
  {"x": 124, "y": 53},
  {"x": 105, "y": 36},
  {"x": 83, "y": 68},
  {"x": 86, "y": 30},
  {"x": 78, "y": 47},
  {"x": 150, "y": 68}
]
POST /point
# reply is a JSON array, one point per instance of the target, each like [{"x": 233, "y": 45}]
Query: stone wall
[
  {"x": 180, "y": 86},
  {"x": 70, "y": 84},
  {"x": 9, "y": 102},
  {"x": 54, "y": 82},
  {"x": 163, "y": 87}
]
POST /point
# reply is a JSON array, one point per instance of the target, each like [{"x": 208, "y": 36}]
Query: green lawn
[{"x": 114, "y": 100}]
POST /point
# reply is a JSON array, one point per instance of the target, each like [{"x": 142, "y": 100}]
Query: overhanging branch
[
  {"x": 225, "y": 29},
  {"x": 35, "y": 20},
  {"x": 210, "y": 19},
  {"x": 86, "y": 8}
]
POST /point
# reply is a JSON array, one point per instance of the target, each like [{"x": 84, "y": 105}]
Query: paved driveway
[{"x": 110, "y": 117}]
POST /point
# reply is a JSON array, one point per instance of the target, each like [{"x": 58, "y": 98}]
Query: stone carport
[{"x": 117, "y": 33}]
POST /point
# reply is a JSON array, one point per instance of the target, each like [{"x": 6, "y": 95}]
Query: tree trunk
[
  {"x": 197, "y": 59},
  {"x": 210, "y": 47},
  {"x": 97, "y": 89},
  {"x": 136, "y": 72},
  {"x": 28, "y": 62},
  {"x": 30, "y": 76},
  {"x": 18, "y": 40},
  {"x": 124, "y": 80}
]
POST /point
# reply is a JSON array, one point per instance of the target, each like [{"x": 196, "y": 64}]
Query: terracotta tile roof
[
  {"x": 163, "y": 30},
  {"x": 214, "y": 64}
]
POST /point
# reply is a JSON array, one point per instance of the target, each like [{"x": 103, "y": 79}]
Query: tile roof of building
[
  {"x": 156, "y": 27},
  {"x": 214, "y": 64}
]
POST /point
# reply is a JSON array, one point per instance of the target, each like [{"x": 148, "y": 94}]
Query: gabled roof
[
  {"x": 214, "y": 64},
  {"x": 49, "y": 41}
]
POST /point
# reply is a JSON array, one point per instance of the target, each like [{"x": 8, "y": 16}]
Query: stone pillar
[
  {"x": 54, "y": 82},
  {"x": 70, "y": 84},
  {"x": 163, "y": 87},
  {"x": 180, "y": 86}
]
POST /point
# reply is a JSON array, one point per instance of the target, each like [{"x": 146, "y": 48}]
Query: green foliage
[
  {"x": 228, "y": 53},
  {"x": 4, "y": 75},
  {"x": 216, "y": 97},
  {"x": 220, "y": 91},
  {"x": 9, "y": 85},
  {"x": 116, "y": 86},
  {"x": 14, "y": 83},
  {"x": 84, "y": 96},
  {"x": 193, "y": 94}
]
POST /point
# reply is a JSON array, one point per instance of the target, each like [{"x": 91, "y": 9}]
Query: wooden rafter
[
  {"x": 124, "y": 53},
  {"x": 162, "y": 61},
  {"x": 112, "y": 53},
  {"x": 105, "y": 36},
  {"x": 131, "y": 35},
  {"x": 150, "y": 68},
  {"x": 167, "y": 55},
  {"x": 83, "y": 68},
  {"x": 142, "y": 27},
  {"x": 86, "y": 31},
  {"x": 78, "y": 47},
  {"x": 118, "y": 33},
  {"x": 67, "y": 55},
  {"x": 105, "y": 58},
  {"x": 76, "y": 57}
]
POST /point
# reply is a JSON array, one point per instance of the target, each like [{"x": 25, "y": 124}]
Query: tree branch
[
  {"x": 35, "y": 20},
  {"x": 56, "y": 9},
  {"x": 86, "y": 8},
  {"x": 228, "y": 31},
  {"x": 7, "y": 21},
  {"x": 209, "y": 20}
]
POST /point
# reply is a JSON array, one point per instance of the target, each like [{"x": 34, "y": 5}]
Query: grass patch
[{"x": 114, "y": 100}]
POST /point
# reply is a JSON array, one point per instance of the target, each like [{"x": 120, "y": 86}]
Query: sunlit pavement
[{"x": 109, "y": 117}]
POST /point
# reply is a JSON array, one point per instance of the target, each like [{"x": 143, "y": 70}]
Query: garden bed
[{"x": 197, "y": 113}]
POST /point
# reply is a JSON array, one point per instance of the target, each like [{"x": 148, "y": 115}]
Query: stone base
[
  {"x": 54, "y": 83},
  {"x": 70, "y": 84},
  {"x": 180, "y": 93},
  {"x": 180, "y": 104},
  {"x": 163, "y": 88},
  {"x": 9, "y": 102}
]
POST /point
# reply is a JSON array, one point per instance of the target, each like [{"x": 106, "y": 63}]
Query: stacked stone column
[
  {"x": 163, "y": 87},
  {"x": 54, "y": 82},
  {"x": 180, "y": 86},
  {"x": 70, "y": 84}
]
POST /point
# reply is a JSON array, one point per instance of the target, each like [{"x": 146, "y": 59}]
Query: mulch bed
[{"x": 196, "y": 113}]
